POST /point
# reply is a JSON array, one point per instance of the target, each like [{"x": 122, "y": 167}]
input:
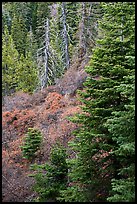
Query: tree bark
[
  {"x": 82, "y": 44},
  {"x": 42, "y": 58},
  {"x": 65, "y": 35},
  {"x": 46, "y": 51}
]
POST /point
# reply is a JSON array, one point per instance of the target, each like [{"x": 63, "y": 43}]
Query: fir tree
[
  {"x": 20, "y": 10},
  {"x": 51, "y": 177},
  {"x": 41, "y": 16},
  {"x": 6, "y": 18},
  {"x": 27, "y": 75},
  {"x": 100, "y": 154},
  {"x": 19, "y": 34},
  {"x": 32, "y": 143},
  {"x": 122, "y": 127},
  {"x": 31, "y": 44},
  {"x": 18, "y": 72},
  {"x": 33, "y": 16},
  {"x": 56, "y": 60},
  {"x": 10, "y": 63},
  {"x": 72, "y": 22}
]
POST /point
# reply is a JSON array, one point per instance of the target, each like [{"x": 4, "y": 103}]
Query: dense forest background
[
  {"x": 42, "y": 39},
  {"x": 74, "y": 59}
]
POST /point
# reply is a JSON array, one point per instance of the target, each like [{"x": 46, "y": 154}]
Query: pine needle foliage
[
  {"x": 51, "y": 177},
  {"x": 27, "y": 74},
  {"x": 10, "y": 63},
  {"x": 104, "y": 143},
  {"x": 32, "y": 143},
  {"x": 19, "y": 34},
  {"x": 122, "y": 127}
]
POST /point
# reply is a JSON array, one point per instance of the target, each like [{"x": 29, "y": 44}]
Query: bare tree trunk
[
  {"x": 31, "y": 36},
  {"x": 65, "y": 35},
  {"x": 46, "y": 51},
  {"x": 82, "y": 44},
  {"x": 42, "y": 58}
]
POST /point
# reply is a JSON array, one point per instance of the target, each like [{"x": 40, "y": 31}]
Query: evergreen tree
[
  {"x": 50, "y": 56},
  {"x": 92, "y": 14},
  {"x": 32, "y": 143},
  {"x": 31, "y": 44},
  {"x": 10, "y": 63},
  {"x": 43, "y": 58},
  {"x": 19, "y": 34},
  {"x": 27, "y": 75},
  {"x": 51, "y": 177},
  {"x": 18, "y": 72},
  {"x": 56, "y": 60},
  {"x": 32, "y": 16},
  {"x": 6, "y": 19},
  {"x": 122, "y": 127},
  {"x": 20, "y": 10},
  {"x": 25, "y": 10},
  {"x": 63, "y": 28},
  {"x": 43, "y": 12},
  {"x": 103, "y": 152},
  {"x": 72, "y": 22}
]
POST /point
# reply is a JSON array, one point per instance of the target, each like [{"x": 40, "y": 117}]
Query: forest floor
[{"x": 46, "y": 110}]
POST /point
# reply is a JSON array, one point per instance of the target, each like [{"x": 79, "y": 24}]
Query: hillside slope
[{"x": 46, "y": 110}]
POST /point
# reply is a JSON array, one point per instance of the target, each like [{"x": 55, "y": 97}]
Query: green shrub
[{"x": 32, "y": 143}]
